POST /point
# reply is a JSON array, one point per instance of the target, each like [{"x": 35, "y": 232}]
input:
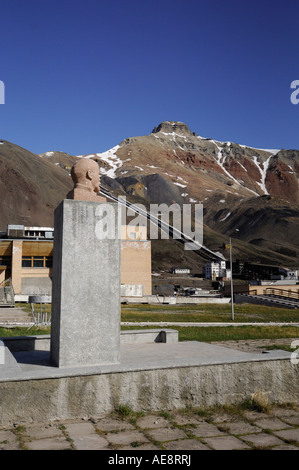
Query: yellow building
[
  {"x": 136, "y": 259},
  {"x": 26, "y": 255}
]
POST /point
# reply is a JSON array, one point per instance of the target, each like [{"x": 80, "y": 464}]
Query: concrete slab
[
  {"x": 42, "y": 342},
  {"x": 152, "y": 422},
  {"x": 84, "y": 437},
  {"x": 167, "y": 434},
  {"x": 241, "y": 427},
  {"x": 42, "y": 432},
  {"x": 185, "y": 444},
  {"x": 109, "y": 424},
  {"x": 8, "y": 441},
  {"x": 155, "y": 376},
  {"x": 226, "y": 443},
  {"x": 54, "y": 443},
  {"x": 262, "y": 440},
  {"x": 206, "y": 429},
  {"x": 126, "y": 438},
  {"x": 138, "y": 357},
  {"x": 288, "y": 434},
  {"x": 271, "y": 423},
  {"x": 15, "y": 316}
]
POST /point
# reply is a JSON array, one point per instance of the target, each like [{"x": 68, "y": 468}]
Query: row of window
[
  {"x": 37, "y": 262},
  {"x": 29, "y": 261}
]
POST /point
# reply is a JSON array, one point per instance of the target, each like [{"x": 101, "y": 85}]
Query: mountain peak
[{"x": 168, "y": 127}]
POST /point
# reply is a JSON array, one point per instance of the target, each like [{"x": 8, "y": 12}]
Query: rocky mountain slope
[
  {"x": 30, "y": 187},
  {"x": 252, "y": 190}
]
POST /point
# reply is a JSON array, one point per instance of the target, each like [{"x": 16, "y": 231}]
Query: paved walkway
[
  {"x": 15, "y": 316},
  {"x": 277, "y": 429}
]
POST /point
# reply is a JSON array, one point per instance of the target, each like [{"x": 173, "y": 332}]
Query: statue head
[
  {"x": 85, "y": 173},
  {"x": 86, "y": 177}
]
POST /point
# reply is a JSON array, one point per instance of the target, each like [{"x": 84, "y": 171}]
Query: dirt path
[
  {"x": 255, "y": 345},
  {"x": 14, "y": 316}
]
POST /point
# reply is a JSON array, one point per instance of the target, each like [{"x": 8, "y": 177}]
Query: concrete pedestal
[{"x": 85, "y": 325}]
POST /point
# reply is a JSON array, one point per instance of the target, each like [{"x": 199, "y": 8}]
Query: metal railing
[
  {"x": 41, "y": 309},
  {"x": 6, "y": 283},
  {"x": 169, "y": 229},
  {"x": 290, "y": 294}
]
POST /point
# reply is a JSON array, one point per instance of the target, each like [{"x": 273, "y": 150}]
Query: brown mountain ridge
[{"x": 254, "y": 190}]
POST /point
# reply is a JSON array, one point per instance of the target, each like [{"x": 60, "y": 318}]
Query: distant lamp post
[{"x": 231, "y": 273}]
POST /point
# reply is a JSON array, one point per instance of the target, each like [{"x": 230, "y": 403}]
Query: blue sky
[{"x": 82, "y": 75}]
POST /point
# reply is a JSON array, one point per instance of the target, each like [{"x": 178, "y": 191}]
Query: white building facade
[{"x": 217, "y": 269}]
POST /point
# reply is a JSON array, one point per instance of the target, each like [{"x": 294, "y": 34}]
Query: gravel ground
[{"x": 255, "y": 345}]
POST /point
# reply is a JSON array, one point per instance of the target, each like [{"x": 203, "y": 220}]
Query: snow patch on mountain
[
  {"x": 263, "y": 167},
  {"x": 221, "y": 160},
  {"x": 110, "y": 158},
  {"x": 225, "y": 217}
]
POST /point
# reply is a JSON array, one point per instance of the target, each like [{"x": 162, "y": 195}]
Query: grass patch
[
  {"x": 257, "y": 402},
  {"x": 23, "y": 331},
  {"x": 136, "y": 444},
  {"x": 284, "y": 347},
  {"x": 207, "y": 313},
  {"x": 212, "y": 313},
  {"x": 198, "y": 313},
  {"x": 125, "y": 412},
  {"x": 229, "y": 333},
  {"x": 19, "y": 432},
  {"x": 164, "y": 414},
  {"x": 234, "y": 333}
]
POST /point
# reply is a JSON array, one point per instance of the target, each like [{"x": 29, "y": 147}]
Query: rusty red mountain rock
[{"x": 254, "y": 190}]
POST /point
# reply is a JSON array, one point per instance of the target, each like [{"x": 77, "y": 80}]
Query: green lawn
[
  {"x": 216, "y": 313},
  {"x": 208, "y": 313},
  {"x": 201, "y": 313},
  {"x": 229, "y": 333},
  {"x": 23, "y": 331}
]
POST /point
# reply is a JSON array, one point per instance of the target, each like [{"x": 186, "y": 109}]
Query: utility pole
[
  {"x": 231, "y": 278},
  {"x": 231, "y": 273}
]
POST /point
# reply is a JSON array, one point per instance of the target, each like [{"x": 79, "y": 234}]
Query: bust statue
[{"x": 85, "y": 174}]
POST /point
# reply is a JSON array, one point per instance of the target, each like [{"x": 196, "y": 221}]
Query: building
[
  {"x": 292, "y": 275},
  {"x": 136, "y": 261},
  {"x": 26, "y": 255},
  {"x": 217, "y": 269},
  {"x": 180, "y": 270}
]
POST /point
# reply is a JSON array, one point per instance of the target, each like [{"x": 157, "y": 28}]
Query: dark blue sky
[{"x": 82, "y": 75}]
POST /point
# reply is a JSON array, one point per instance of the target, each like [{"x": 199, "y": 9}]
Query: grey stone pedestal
[{"x": 85, "y": 325}]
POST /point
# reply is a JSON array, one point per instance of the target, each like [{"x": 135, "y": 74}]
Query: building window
[
  {"x": 5, "y": 261},
  {"x": 37, "y": 262},
  {"x": 26, "y": 262}
]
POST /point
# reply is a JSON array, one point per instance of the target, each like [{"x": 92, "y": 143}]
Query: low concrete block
[
  {"x": 7, "y": 361},
  {"x": 42, "y": 342},
  {"x": 149, "y": 336}
]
